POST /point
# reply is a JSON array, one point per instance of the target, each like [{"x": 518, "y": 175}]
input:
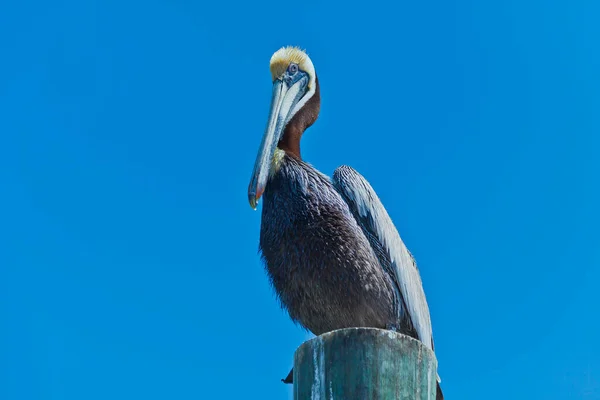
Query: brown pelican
[{"x": 331, "y": 250}]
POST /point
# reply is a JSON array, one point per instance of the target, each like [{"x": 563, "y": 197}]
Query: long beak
[{"x": 283, "y": 100}]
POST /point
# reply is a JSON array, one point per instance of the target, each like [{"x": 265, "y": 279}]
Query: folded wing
[{"x": 393, "y": 255}]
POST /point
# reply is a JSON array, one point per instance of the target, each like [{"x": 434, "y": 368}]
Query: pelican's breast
[{"x": 317, "y": 257}]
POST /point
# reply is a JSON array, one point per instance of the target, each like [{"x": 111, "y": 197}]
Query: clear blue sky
[{"x": 128, "y": 250}]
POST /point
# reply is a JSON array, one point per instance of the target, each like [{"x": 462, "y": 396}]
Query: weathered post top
[{"x": 364, "y": 364}]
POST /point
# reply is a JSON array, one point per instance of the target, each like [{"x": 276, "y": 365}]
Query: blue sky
[{"x": 128, "y": 256}]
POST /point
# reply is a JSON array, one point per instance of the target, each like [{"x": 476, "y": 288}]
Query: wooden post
[{"x": 364, "y": 364}]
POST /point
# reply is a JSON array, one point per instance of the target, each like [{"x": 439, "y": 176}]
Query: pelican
[{"x": 331, "y": 251}]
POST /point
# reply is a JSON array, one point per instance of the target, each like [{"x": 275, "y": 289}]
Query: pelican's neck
[{"x": 305, "y": 117}]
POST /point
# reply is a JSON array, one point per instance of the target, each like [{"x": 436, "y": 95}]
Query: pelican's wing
[{"x": 387, "y": 245}]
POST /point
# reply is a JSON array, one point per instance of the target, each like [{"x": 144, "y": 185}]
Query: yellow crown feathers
[{"x": 287, "y": 55}]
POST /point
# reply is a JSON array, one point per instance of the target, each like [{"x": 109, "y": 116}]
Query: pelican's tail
[{"x": 438, "y": 394}]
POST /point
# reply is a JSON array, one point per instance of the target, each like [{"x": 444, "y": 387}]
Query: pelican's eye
[{"x": 293, "y": 68}]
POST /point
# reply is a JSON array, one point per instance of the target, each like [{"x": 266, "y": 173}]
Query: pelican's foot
[{"x": 290, "y": 378}]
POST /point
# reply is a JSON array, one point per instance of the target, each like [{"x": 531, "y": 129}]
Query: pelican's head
[{"x": 294, "y": 84}]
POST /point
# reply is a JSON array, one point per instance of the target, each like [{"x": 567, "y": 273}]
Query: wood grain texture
[{"x": 364, "y": 364}]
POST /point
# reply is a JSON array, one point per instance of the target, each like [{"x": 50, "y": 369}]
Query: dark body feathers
[{"x": 325, "y": 272}]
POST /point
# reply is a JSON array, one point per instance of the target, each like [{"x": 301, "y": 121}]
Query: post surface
[{"x": 364, "y": 364}]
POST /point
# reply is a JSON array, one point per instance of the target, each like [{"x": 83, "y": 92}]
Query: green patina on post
[{"x": 364, "y": 364}]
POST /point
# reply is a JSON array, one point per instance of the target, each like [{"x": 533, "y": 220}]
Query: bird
[{"x": 331, "y": 251}]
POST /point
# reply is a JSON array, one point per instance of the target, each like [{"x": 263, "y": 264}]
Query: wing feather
[{"x": 389, "y": 248}]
